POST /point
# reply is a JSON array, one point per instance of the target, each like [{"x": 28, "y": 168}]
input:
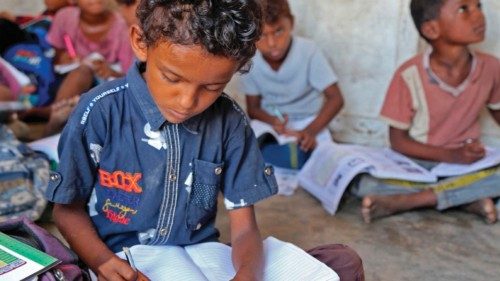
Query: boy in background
[
  {"x": 291, "y": 76},
  {"x": 432, "y": 106},
  {"x": 143, "y": 157}
]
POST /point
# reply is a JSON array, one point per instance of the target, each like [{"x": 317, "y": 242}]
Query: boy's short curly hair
[
  {"x": 227, "y": 28},
  {"x": 275, "y": 9},
  {"x": 423, "y": 11}
]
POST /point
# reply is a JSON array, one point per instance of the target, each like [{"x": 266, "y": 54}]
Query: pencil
[
  {"x": 128, "y": 255},
  {"x": 69, "y": 46}
]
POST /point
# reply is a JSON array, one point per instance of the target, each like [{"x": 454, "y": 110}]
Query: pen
[
  {"x": 128, "y": 255},
  {"x": 278, "y": 114},
  {"x": 69, "y": 46}
]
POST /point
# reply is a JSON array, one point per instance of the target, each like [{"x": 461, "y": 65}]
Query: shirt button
[
  {"x": 218, "y": 170},
  {"x": 268, "y": 171},
  {"x": 172, "y": 177},
  {"x": 198, "y": 226},
  {"x": 54, "y": 177},
  {"x": 163, "y": 231}
]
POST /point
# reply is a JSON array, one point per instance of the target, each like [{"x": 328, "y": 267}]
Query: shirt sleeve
[
  {"x": 75, "y": 176},
  {"x": 397, "y": 108},
  {"x": 247, "y": 179},
  {"x": 321, "y": 74}
]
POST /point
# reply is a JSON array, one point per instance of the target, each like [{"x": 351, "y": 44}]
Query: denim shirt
[{"x": 149, "y": 181}]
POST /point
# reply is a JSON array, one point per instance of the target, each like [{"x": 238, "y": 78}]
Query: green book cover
[{"x": 20, "y": 261}]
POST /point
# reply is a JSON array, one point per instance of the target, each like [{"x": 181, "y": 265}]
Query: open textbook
[
  {"x": 261, "y": 129},
  {"x": 19, "y": 261},
  {"x": 212, "y": 261},
  {"x": 332, "y": 167}
]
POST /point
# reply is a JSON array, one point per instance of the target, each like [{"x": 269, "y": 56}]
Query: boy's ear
[
  {"x": 138, "y": 45},
  {"x": 431, "y": 30}
]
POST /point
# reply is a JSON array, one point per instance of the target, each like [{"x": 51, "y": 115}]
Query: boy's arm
[
  {"x": 403, "y": 143},
  {"x": 332, "y": 105},
  {"x": 247, "y": 244},
  {"x": 255, "y": 111},
  {"x": 78, "y": 230}
]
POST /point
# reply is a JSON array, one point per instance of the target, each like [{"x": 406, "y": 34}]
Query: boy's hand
[
  {"x": 280, "y": 126},
  {"x": 103, "y": 70},
  {"x": 470, "y": 152},
  {"x": 305, "y": 139},
  {"x": 119, "y": 270}
]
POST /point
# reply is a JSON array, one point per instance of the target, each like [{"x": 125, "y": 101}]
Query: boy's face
[
  {"x": 462, "y": 21},
  {"x": 183, "y": 80},
  {"x": 275, "y": 39}
]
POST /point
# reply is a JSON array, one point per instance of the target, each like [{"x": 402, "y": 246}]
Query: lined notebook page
[
  {"x": 283, "y": 262},
  {"x": 164, "y": 263}
]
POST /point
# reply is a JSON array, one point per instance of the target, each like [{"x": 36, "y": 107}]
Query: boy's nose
[
  {"x": 188, "y": 99},
  {"x": 271, "y": 42}
]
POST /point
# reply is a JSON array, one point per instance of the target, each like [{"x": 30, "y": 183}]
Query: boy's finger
[{"x": 142, "y": 277}]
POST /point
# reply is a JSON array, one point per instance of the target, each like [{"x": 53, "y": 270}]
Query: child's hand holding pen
[
  {"x": 280, "y": 121},
  {"x": 471, "y": 151}
]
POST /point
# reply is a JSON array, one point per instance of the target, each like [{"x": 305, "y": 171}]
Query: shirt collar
[
  {"x": 142, "y": 96},
  {"x": 455, "y": 91}
]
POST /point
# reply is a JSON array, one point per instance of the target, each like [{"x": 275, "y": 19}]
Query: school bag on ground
[
  {"x": 26, "y": 231},
  {"x": 24, "y": 178}
]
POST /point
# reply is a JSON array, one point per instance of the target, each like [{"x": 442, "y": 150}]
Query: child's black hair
[
  {"x": 275, "y": 9},
  {"x": 423, "y": 11},
  {"x": 227, "y": 28}
]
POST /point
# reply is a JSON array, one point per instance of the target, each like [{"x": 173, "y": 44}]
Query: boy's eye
[
  {"x": 214, "y": 88},
  {"x": 278, "y": 32},
  {"x": 462, "y": 9},
  {"x": 479, "y": 5},
  {"x": 171, "y": 79}
]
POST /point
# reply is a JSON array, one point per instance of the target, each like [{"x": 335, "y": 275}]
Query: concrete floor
[{"x": 420, "y": 245}]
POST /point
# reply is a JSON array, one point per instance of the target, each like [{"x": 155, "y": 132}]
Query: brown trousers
[{"x": 342, "y": 259}]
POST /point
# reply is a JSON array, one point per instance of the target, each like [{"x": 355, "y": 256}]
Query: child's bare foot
[
  {"x": 376, "y": 206},
  {"x": 59, "y": 114},
  {"x": 484, "y": 208}
]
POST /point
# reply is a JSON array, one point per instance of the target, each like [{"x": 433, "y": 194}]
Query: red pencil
[{"x": 69, "y": 46}]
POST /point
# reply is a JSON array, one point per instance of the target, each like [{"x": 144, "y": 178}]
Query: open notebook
[{"x": 212, "y": 261}]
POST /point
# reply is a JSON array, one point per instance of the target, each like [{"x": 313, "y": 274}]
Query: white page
[
  {"x": 260, "y": 128},
  {"x": 213, "y": 259},
  {"x": 387, "y": 163},
  {"x": 164, "y": 263},
  {"x": 328, "y": 172},
  {"x": 21, "y": 272},
  {"x": 283, "y": 262},
  {"x": 491, "y": 159},
  {"x": 48, "y": 146}
]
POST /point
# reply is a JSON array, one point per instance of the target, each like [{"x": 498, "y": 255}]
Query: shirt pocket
[{"x": 202, "y": 201}]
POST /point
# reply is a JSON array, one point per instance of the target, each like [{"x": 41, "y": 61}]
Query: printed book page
[
  {"x": 260, "y": 128},
  {"x": 212, "y": 261},
  {"x": 19, "y": 261},
  {"x": 491, "y": 159},
  {"x": 332, "y": 167}
]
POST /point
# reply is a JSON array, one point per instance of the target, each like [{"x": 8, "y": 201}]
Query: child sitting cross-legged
[
  {"x": 143, "y": 157},
  {"x": 432, "y": 106},
  {"x": 291, "y": 76}
]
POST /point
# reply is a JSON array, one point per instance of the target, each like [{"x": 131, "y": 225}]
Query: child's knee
[{"x": 342, "y": 259}]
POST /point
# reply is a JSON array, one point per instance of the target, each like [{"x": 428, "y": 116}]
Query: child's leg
[
  {"x": 472, "y": 191},
  {"x": 342, "y": 259},
  {"x": 75, "y": 83},
  {"x": 383, "y": 198},
  {"x": 60, "y": 112}
]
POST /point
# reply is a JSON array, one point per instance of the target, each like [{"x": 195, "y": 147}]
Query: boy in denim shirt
[
  {"x": 433, "y": 106},
  {"x": 143, "y": 157}
]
